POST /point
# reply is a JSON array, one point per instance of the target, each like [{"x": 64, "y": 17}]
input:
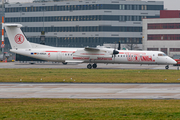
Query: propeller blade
[
  {"x": 115, "y": 52},
  {"x": 119, "y": 46}
]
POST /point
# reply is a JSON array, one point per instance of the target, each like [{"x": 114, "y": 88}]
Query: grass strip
[
  {"x": 85, "y": 75},
  {"x": 97, "y": 109}
]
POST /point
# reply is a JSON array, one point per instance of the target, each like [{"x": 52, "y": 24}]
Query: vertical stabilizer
[{"x": 16, "y": 36}]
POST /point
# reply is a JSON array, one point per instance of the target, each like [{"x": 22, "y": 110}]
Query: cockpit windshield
[{"x": 162, "y": 54}]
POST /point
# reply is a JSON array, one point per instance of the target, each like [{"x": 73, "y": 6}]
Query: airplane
[{"x": 92, "y": 56}]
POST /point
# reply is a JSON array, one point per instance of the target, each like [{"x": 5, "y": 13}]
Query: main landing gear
[
  {"x": 89, "y": 66},
  {"x": 64, "y": 63},
  {"x": 167, "y": 67}
]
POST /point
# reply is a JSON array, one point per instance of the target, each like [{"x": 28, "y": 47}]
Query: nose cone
[{"x": 172, "y": 61}]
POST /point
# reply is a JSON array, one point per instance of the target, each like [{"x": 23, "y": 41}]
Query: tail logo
[{"x": 19, "y": 38}]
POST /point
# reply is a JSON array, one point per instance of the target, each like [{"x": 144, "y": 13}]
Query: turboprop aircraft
[{"x": 21, "y": 46}]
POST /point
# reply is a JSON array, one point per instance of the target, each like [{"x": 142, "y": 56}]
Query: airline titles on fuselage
[
  {"x": 131, "y": 56},
  {"x": 138, "y": 57}
]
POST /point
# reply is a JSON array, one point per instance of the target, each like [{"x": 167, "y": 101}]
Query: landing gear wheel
[
  {"x": 94, "y": 65},
  {"x": 167, "y": 67},
  {"x": 64, "y": 63},
  {"x": 89, "y": 66}
]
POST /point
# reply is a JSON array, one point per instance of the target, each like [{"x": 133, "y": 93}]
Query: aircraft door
[
  {"x": 59, "y": 56},
  {"x": 157, "y": 58}
]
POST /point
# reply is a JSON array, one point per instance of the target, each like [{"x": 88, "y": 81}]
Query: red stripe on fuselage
[
  {"x": 121, "y": 52},
  {"x": 91, "y": 54},
  {"x": 62, "y": 51},
  {"x": 67, "y": 51},
  {"x": 52, "y": 51}
]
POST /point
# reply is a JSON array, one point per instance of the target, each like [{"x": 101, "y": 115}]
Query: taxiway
[{"x": 89, "y": 91}]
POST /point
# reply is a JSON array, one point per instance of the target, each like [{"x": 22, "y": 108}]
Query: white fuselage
[{"x": 124, "y": 56}]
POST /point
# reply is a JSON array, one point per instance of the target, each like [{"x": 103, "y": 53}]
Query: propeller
[{"x": 115, "y": 52}]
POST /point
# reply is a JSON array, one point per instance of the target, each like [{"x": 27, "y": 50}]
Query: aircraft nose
[{"x": 173, "y": 61}]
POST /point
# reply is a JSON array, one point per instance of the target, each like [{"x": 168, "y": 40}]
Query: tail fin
[{"x": 16, "y": 36}]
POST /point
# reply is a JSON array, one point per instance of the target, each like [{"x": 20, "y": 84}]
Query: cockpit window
[
  {"x": 160, "y": 54},
  {"x": 164, "y": 55}
]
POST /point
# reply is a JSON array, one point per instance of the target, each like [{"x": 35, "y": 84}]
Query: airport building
[
  {"x": 163, "y": 34},
  {"x": 83, "y": 22}
]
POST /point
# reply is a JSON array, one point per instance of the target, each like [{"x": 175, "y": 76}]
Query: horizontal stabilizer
[
  {"x": 34, "y": 45},
  {"x": 12, "y": 25}
]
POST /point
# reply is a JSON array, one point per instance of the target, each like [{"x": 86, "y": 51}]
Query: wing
[
  {"x": 74, "y": 61},
  {"x": 94, "y": 53},
  {"x": 91, "y": 49}
]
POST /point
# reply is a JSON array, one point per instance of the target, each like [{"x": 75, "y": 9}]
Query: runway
[
  {"x": 83, "y": 66},
  {"x": 89, "y": 91}
]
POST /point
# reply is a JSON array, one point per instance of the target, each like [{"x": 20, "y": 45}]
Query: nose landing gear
[
  {"x": 89, "y": 66},
  {"x": 167, "y": 67}
]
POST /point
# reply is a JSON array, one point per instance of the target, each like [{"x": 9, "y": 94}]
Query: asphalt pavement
[
  {"x": 90, "y": 91},
  {"x": 83, "y": 66}
]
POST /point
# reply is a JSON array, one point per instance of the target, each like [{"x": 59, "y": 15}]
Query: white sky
[{"x": 169, "y": 4}]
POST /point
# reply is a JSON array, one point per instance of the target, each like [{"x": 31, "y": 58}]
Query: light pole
[{"x": 2, "y": 40}]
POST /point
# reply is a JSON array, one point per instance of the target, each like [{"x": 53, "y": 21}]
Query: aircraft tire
[
  {"x": 167, "y": 67},
  {"x": 89, "y": 66},
  {"x": 94, "y": 65},
  {"x": 64, "y": 63}
]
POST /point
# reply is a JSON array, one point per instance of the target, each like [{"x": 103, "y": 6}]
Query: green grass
[
  {"x": 85, "y": 75},
  {"x": 98, "y": 109}
]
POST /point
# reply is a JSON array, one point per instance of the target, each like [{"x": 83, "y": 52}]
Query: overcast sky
[{"x": 169, "y": 4}]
